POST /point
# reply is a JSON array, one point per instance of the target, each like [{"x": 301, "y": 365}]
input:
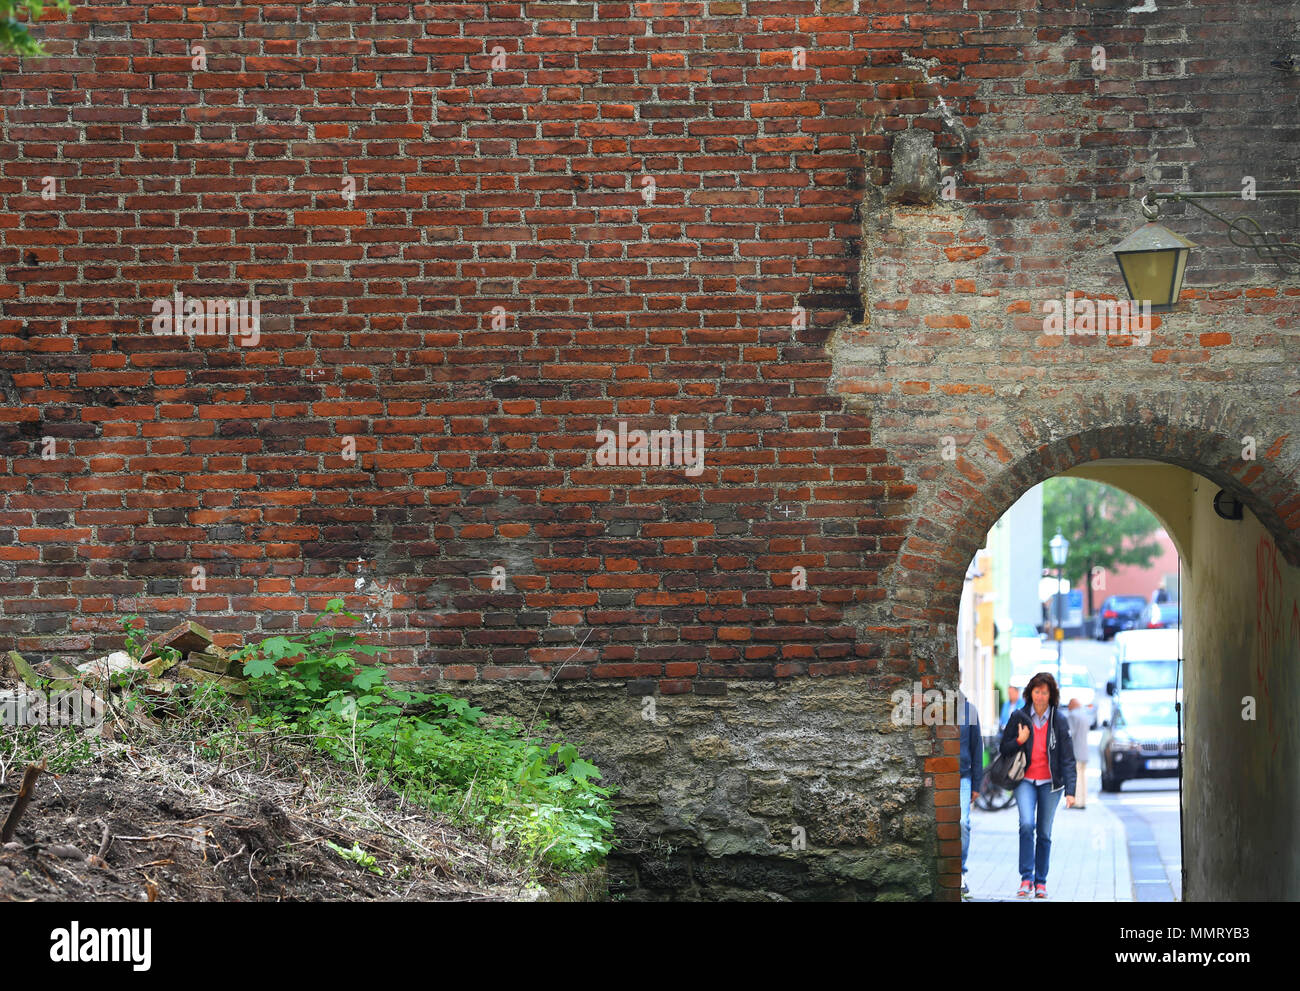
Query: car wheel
[{"x": 1108, "y": 783}]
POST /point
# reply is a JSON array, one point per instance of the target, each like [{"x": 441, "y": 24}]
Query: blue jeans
[
  {"x": 965, "y": 820},
  {"x": 1034, "y": 797}
]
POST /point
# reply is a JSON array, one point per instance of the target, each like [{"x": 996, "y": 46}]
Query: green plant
[
  {"x": 437, "y": 749},
  {"x": 357, "y": 856},
  {"x": 137, "y": 644},
  {"x": 323, "y": 670},
  {"x": 137, "y": 638},
  {"x": 14, "y": 35},
  {"x": 63, "y": 749}
]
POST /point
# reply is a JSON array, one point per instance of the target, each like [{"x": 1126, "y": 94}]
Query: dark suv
[
  {"x": 1141, "y": 740},
  {"x": 1119, "y": 612}
]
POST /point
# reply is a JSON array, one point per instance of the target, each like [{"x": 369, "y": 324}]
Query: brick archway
[
  {"x": 957, "y": 507},
  {"x": 955, "y": 510}
]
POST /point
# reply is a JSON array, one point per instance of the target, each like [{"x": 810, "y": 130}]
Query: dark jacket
[
  {"x": 972, "y": 747},
  {"x": 1060, "y": 748}
]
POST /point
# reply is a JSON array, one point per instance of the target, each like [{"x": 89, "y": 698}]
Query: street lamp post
[{"x": 1060, "y": 548}]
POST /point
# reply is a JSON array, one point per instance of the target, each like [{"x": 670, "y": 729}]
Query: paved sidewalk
[{"x": 1089, "y": 862}]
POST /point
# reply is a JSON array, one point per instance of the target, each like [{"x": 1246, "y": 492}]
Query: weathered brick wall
[{"x": 469, "y": 271}]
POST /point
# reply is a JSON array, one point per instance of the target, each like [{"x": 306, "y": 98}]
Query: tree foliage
[
  {"x": 15, "y": 38},
  {"x": 1106, "y": 528}
]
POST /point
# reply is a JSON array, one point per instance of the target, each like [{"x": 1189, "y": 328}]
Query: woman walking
[{"x": 1044, "y": 732}]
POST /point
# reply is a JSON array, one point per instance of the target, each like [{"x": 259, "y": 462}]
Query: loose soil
[{"x": 136, "y": 823}]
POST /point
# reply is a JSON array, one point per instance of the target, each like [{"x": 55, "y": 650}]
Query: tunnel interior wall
[
  {"x": 1243, "y": 685},
  {"x": 1241, "y": 615}
]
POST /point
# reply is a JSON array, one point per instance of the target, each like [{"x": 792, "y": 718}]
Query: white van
[
  {"x": 1146, "y": 661},
  {"x": 1075, "y": 682}
]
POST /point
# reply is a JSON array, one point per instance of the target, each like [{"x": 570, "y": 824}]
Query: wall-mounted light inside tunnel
[{"x": 1226, "y": 506}]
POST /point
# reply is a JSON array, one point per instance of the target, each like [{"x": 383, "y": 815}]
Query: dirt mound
[{"x": 136, "y": 826}]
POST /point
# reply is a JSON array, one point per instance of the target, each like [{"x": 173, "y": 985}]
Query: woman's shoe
[
  {"x": 1026, "y": 889},
  {"x": 1040, "y": 891}
]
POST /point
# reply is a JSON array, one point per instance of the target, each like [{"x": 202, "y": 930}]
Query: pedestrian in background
[
  {"x": 1012, "y": 703},
  {"x": 1044, "y": 733},
  {"x": 971, "y": 766},
  {"x": 1079, "y": 725}
]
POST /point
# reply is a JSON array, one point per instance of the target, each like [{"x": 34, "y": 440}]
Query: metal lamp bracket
[{"x": 1244, "y": 232}]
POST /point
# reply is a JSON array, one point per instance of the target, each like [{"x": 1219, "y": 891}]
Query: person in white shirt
[{"x": 1079, "y": 724}]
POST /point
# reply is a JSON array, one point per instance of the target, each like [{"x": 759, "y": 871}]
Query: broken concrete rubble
[
  {"x": 104, "y": 668},
  {"x": 171, "y": 664}
]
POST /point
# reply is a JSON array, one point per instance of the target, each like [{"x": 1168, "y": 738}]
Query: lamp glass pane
[
  {"x": 1150, "y": 274},
  {"x": 1059, "y": 547},
  {"x": 1178, "y": 274}
]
